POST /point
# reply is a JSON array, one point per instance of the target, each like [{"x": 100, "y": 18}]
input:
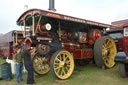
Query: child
[{"x": 19, "y": 65}]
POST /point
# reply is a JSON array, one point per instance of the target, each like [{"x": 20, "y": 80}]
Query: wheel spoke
[
  {"x": 103, "y": 53},
  {"x": 110, "y": 46},
  {"x": 66, "y": 68},
  {"x": 56, "y": 63},
  {"x": 67, "y": 62},
  {"x": 108, "y": 42},
  {"x": 65, "y": 58},
  {"x": 61, "y": 72},
  {"x": 58, "y": 59},
  {"x": 58, "y": 67},
  {"x": 57, "y": 71},
  {"x": 64, "y": 71}
]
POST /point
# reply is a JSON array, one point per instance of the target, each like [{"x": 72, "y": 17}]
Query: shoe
[
  {"x": 17, "y": 82},
  {"x": 31, "y": 82},
  {"x": 22, "y": 80}
]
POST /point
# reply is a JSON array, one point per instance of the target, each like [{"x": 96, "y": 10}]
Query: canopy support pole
[
  {"x": 33, "y": 24},
  {"x": 59, "y": 31},
  {"x": 38, "y": 24},
  {"x": 24, "y": 29},
  {"x": 16, "y": 38}
]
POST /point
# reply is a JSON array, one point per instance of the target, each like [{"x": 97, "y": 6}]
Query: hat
[{"x": 18, "y": 46}]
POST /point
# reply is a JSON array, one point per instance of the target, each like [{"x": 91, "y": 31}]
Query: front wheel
[
  {"x": 41, "y": 64},
  {"x": 62, "y": 64}
]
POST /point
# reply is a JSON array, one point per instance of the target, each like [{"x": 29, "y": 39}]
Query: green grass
[{"x": 82, "y": 75}]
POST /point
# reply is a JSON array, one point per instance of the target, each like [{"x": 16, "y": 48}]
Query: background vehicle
[
  {"x": 8, "y": 42},
  {"x": 61, "y": 39},
  {"x": 120, "y": 35}
]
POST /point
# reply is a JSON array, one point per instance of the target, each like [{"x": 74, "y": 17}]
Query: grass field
[{"x": 82, "y": 75}]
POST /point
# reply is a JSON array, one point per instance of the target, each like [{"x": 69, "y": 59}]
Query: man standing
[{"x": 28, "y": 64}]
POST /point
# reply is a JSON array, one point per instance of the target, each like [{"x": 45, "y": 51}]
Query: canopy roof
[{"x": 27, "y": 16}]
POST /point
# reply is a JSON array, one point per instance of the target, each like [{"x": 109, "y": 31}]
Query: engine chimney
[
  {"x": 25, "y": 7},
  {"x": 51, "y": 6}
]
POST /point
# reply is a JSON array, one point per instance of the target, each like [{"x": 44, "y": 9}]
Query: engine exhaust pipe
[{"x": 51, "y": 6}]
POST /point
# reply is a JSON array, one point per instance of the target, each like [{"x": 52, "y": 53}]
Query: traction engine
[{"x": 60, "y": 40}]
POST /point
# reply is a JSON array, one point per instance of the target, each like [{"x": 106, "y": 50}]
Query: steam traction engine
[{"x": 60, "y": 39}]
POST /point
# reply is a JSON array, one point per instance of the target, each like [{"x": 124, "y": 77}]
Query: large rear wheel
[
  {"x": 105, "y": 52},
  {"x": 62, "y": 64},
  {"x": 41, "y": 64}
]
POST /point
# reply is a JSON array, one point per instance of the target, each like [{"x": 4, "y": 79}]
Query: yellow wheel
[
  {"x": 105, "y": 52},
  {"x": 41, "y": 64},
  {"x": 62, "y": 64}
]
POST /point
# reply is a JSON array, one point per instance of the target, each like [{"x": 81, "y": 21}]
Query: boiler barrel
[{"x": 6, "y": 71}]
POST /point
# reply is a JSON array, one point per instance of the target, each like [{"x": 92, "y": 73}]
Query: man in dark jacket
[{"x": 28, "y": 64}]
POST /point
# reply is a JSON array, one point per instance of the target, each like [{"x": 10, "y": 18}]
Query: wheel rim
[
  {"x": 109, "y": 52},
  {"x": 63, "y": 65},
  {"x": 41, "y": 64}
]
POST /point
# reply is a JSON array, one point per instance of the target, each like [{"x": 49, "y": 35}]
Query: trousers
[
  {"x": 19, "y": 72},
  {"x": 29, "y": 68}
]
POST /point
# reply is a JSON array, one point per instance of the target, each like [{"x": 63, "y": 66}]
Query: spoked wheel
[
  {"x": 123, "y": 70},
  {"x": 62, "y": 64},
  {"x": 41, "y": 64},
  {"x": 105, "y": 52}
]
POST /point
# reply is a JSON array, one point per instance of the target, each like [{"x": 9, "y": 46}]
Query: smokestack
[
  {"x": 25, "y": 7},
  {"x": 51, "y": 6}
]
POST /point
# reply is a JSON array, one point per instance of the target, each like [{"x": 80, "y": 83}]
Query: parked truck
[
  {"x": 120, "y": 35},
  {"x": 8, "y": 42}
]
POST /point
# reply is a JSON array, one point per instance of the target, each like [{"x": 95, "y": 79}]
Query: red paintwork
[
  {"x": 121, "y": 22},
  {"x": 122, "y": 43},
  {"x": 77, "y": 54},
  {"x": 119, "y": 44},
  {"x": 28, "y": 40},
  {"x": 88, "y": 53},
  {"x": 83, "y": 53},
  {"x": 71, "y": 46},
  {"x": 90, "y": 42},
  {"x": 125, "y": 44},
  {"x": 125, "y": 62},
  {"x": 78, "y": 50}
]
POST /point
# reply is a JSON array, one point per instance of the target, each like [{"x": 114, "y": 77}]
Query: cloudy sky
[{"x": 104, "y": 11}]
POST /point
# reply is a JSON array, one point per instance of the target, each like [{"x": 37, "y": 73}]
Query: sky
[{"x": 104, "y": 11}]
